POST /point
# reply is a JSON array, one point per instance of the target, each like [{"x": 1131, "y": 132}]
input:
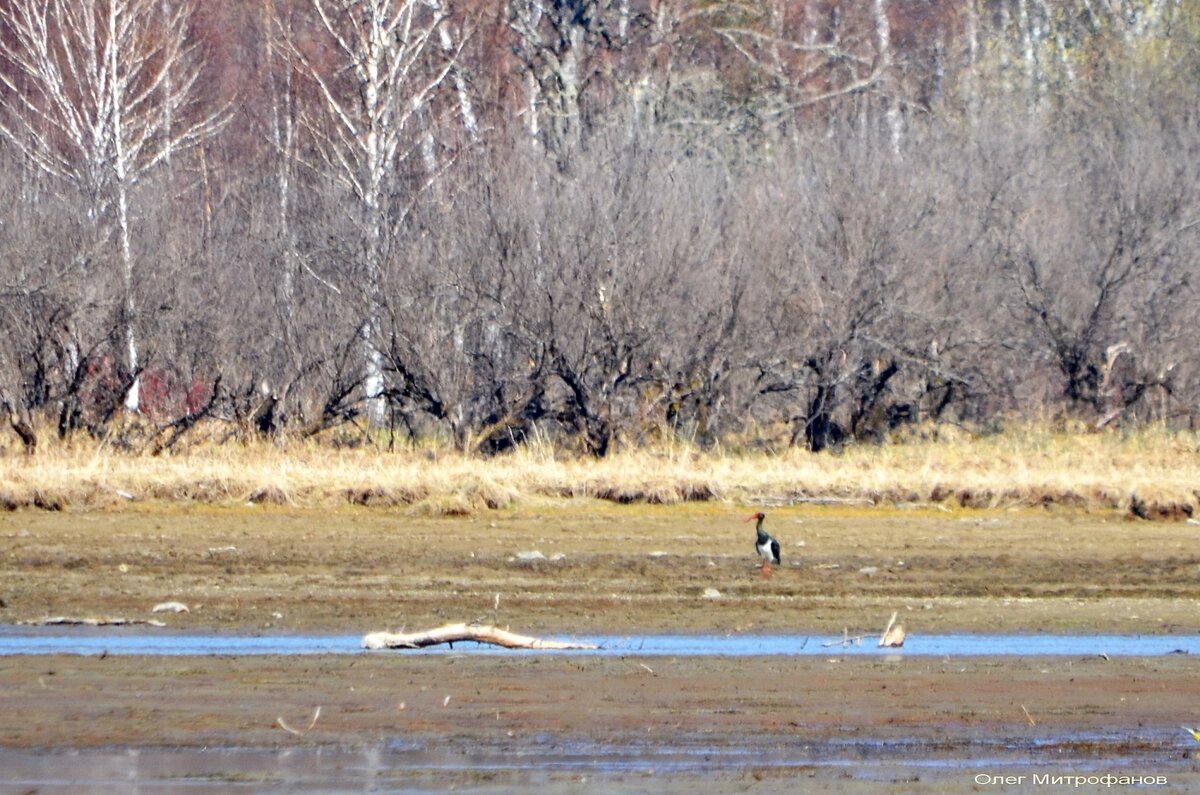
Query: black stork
[{"x": 767, "y": 546}]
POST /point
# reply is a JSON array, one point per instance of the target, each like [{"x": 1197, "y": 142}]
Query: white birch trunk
[
  {"x": 971, "y": 75},
  {"x": 132, "y": 397},
  {"x": 533, "y": 90},
  {"x": 530, "y": 18},
  {"x": 428, "y": 144},
  {"x": 466, "y": 108},
  {"x": 116, "y": 87},
  {"x": 1028, "y": 56},
  {"x": 1005, "y": 44},
  {"x": 373, "y": 382},
  {"x": 567, "y": 107},
  {"x": 375, "y": 52},
  {"x": 168, "y": 109},
  {"x": 283, "y": 134},
  {"x": 883, "y": 41}
]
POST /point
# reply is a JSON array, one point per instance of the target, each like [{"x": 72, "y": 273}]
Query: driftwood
[
  {"x": 893, "y": 636},
  {"x": 453, "y": 633},
  {"x": 99, "y": 621},
  {"x": 801, "y": 499},
  {"x": 846, "y": 639}
]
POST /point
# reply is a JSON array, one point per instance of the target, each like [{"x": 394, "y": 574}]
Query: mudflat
[
  {"x": 421, "y": 720},
  {"x": 590, "y": 566},
  {"x": 415, "y": 720}
]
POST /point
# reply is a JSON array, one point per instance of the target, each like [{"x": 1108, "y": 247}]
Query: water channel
[{"x": 139, "y": 640}]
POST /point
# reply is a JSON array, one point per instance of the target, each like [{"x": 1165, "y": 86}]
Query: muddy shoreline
[{"x": 762, "y": 723}]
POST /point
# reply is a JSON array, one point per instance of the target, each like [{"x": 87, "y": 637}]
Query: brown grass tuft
[
  {"x": 269, "y": 495},
  {"x": 443, "y": 505},
  {"x": 374, "y": 496},
  {"x": 1159, "y": 511},
  {"x": 8, "y": 502},
  {"x": 47, "y": 500}
]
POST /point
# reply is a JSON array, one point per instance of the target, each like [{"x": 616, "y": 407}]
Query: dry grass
[{"x": 1150, "y": 474}]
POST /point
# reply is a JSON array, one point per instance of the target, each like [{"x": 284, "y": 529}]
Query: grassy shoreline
[{"x": 1150, "y": 474}]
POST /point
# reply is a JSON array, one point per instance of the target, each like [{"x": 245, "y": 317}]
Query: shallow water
[
  {"x": 16, "y": 640},
  {"x": 551, "y": 765}
]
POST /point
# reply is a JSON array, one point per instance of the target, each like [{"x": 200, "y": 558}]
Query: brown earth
[
  {"x": 763, "y": 724},
  {"x": 622, "y": 569},
  {"x": 420, "y": 720}
]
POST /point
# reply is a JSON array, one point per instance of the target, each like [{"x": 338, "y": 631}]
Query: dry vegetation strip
[{"x": 1151, "y": 475}]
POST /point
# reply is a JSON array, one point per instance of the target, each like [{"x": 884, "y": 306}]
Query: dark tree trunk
[{"x": 820, "y": 431}]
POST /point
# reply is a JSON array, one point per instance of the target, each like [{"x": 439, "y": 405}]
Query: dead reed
[{"x": 1147, "y": 474}]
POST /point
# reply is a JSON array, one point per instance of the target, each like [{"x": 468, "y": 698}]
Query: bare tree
[
  {"x": 100, "y": 93},
  {"x": 807, "y": 57},
  {"x": 565, "y": 50},
  {"x": 743, "y": 223},
  {"x": 1093, "y": 243},
  {"x": 379, "y": 77},
  {"x": 849, "y": 288}
]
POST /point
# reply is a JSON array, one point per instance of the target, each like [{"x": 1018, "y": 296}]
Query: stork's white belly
[{"x": 764, "y": 549}]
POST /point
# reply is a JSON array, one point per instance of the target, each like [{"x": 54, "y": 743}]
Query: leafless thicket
[{"x": 599, "y": 224}]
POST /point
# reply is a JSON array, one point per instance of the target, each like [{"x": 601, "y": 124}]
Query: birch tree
[
  {"x": 466, "y": 106},
  {"x": 100, "y": 93},
  {"x": 281, "y": 133},
  {"x": 381, "y": 73},
  {"x": 564, "y": 48}
]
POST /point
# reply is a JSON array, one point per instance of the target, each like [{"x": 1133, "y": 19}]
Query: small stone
[{"x": 712, "y": 593}]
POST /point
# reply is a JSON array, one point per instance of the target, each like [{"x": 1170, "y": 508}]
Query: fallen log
[
  {"x": 453, "y": 633},
  {"x": 98, "y": 621}
]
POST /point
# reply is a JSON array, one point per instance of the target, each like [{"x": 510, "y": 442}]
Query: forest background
[{"x": 595, "y": 225}]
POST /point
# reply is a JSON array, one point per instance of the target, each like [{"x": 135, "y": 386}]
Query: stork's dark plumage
[{"x": 768, "y": 547}]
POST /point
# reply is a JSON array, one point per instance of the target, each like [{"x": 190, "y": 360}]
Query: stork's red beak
[{"x": 752, "y": 517}]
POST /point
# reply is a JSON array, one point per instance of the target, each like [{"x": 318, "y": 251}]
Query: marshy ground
[
  {"x": 606, "y": 568},
  {"x": 391, "y": 722},
  {"x": 764, "y": 723}
]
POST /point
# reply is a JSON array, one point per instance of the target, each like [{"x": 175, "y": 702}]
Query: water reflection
[{"x": 404, "y": 766}]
